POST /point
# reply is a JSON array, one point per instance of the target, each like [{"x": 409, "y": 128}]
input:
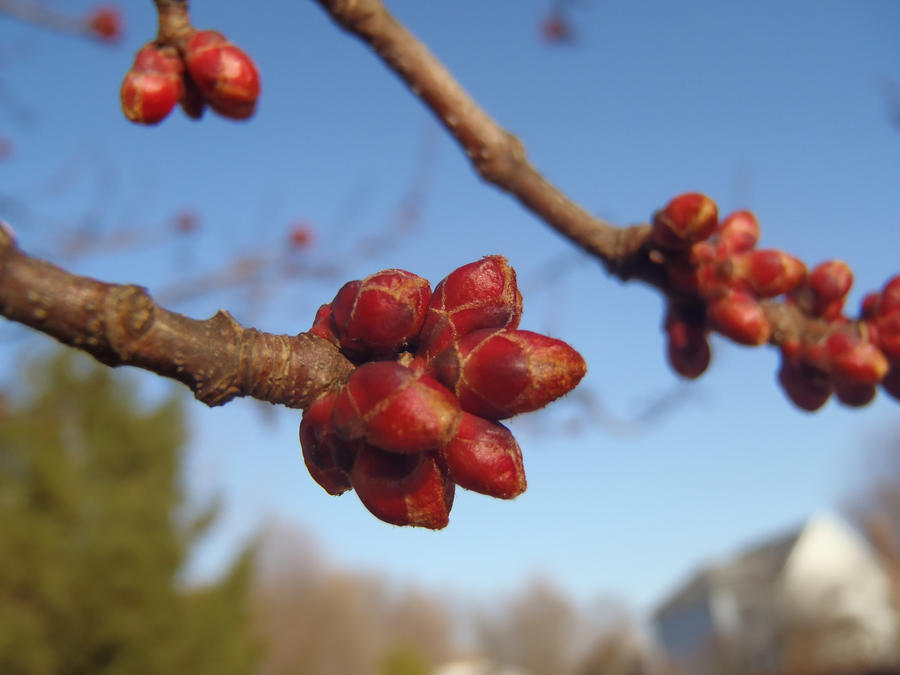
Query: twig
[
  {"x": 217, "y": 358},
  {"x": 497, "y": 155}
]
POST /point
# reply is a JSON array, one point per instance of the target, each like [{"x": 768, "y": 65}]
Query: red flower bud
[
  {"x": 323, "y": 325},
  {"x": 853, "y": 359},
  {"x": 688, "y": 349},
  {"x": 871, "y": 306},
  {"x": 395, "y": 409},
  {"x": 105, "y": 23},
  {"x": 891, "y": 382},
  {"x": 807, "y": 387},
  {"x": 403, "y": 489},
  {"x": 498, "y": 373},
  {"x": 888, "y": 327},
  {"x": 482, "y": 294},
  {"x": 738, "y": 315},
  {"x": 192, "y": 101},
  {"x": 891, "y": 295},
  {"x": 381, "y": 314},
  {"x": 226, "y": 75},
  {"x": 853, "y": 394},
  {"x": 484, "y": 457},
  {"x": 686, "y": 219},
  {"x": 317, "y": 449},
  {"x": 738, "y": 233},
  {"x": 830, "y": 281},
  {"x": 153, "y": 85},
  {"x": 770, "y": 272}
]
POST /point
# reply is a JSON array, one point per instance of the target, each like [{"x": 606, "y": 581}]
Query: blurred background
[{"x": 706, "y": 526}]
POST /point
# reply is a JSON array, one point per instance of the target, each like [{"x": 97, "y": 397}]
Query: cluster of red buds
[
  {"x": 201, "y": 68},
  {"x": 435, "y": 374},
  {"x": 719, "y": 281}
]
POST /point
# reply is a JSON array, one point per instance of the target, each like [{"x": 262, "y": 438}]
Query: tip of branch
[{"x": 7, "y": 235}]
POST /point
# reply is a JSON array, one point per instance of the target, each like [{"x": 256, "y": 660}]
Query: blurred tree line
[
  {"x": 96, "y": 529},
  {"x": 94, "y": 533}
]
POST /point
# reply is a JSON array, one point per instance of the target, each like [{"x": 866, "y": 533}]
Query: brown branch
[
  {"x": 218, "y": 359},
  {"x": 497, "y": 155}
]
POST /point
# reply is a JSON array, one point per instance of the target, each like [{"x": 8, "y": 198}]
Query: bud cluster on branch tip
[
  {"x": 718, "y": 280},
  {"x": 204, "y": 68},
  {"x": 435, "y": 373}
]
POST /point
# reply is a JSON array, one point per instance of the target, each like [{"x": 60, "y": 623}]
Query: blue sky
[{"x": 772, "y": 106}]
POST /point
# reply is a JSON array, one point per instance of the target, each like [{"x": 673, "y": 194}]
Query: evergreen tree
[{"x": 93, "y": 535}]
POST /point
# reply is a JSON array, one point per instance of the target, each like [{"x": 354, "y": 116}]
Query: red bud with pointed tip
[
  {"x": 500, "y": 373},
  {"x": 738, "y": 233},
  {"x": 482, "y": 294},
  {"x": 687, "y": 219},
  {"x": 771, "y": 272},
  {"x": 395, "y": 409},
  {"x": 381, "y": 314},
  {"x": 225, "y": 74},
  {"x": 739, "y": 316},
  {"x": 830, "y": 281},
  {"x": 401, "y": 489},
  {"x": 317, "y": 449},
  {"x": 484, "y": 457},
  {"x": 855, "y": 360}
]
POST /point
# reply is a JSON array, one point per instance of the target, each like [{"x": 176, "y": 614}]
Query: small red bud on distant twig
[
  {"x": 300, "y": 236},
  {"x": 105, "y": 23},
  {"x": 687, "y": 219},
  {"x": 225, "y": 74}
]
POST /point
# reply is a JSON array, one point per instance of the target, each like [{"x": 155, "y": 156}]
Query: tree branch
[
  {"x": 499, "y": 158},
  {"x": 218, "y": 359},
  {"x": 497, "y": 155}
]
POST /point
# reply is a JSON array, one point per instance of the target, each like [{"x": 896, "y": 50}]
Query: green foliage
[
  {"x": 404, "y": 659},
  {"x": 93, "y": 537}
]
